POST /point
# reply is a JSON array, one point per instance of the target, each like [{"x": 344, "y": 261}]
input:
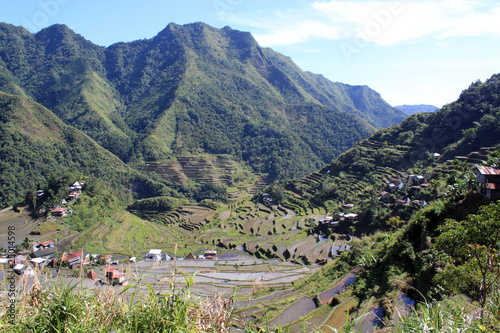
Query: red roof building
[
  {"x": 59, "y": 211},
  {"x": 105, "y": 259},
  {"x": 111, "y": 270},
  {"x": 72, "y": 258},
  {"x": 488, "y": 179},
  {"x": 114, "y": 276},
  {"x": 48, "y": 243},
  {"x": 92, "y": 275}
]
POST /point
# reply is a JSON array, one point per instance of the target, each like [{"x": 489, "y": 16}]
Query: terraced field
[
  {"x": 216, "y": 169},
  {"x": 234, "y": 271},
  {"x": 125, "y": 235}
]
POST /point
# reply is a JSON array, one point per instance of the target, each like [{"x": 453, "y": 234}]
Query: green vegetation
[
  {"x": 451, "y": 316},
  {"x": 35, "y": 154},
  {"x": 153, "y": 126},
  {"x": 156, "y": 204},
  {"x": 444, "y": 254},
  {"x": 62, "y": 306},
  {"x": 164, "y": 99},
  {"x": 473, "y": 246}
]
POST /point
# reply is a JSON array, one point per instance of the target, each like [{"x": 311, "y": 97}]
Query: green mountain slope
[
  {"x": 190, "y": 89},
  {"x": 62, "y": 71},
  {"x": 423, "y": 144},
  {"x": 36, "y": 144},
  {"x": 421, "y": 251},
  {"x": 359, "y": 100}
]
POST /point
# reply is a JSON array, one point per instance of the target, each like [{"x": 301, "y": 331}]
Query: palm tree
[{"x": 26, "y": 244}]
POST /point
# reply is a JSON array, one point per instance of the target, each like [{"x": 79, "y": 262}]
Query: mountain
[
  {"x": 161, "y": 96},
  {"x": 190, "y": 90},
  {"x": 411, "y": 109},
  {"x": 36, "y": 144},
  {"x": 405, "y": 230},
  {"x": 467, "y": 129}
]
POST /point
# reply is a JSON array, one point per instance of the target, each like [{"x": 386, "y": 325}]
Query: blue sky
[{"x": 410, "y": 51}]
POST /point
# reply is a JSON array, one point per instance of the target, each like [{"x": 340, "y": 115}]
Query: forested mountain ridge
[
  {"x": 457, "y": 129},
  {"x": 35, "y": 145},
  {"x": 467, "y": 129},
  {"x": 191, "y": 89}
]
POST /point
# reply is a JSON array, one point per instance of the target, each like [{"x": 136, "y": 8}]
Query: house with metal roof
[
  {"x": 114, "y": 276},
  {"x": 488, "y": 179},
  {"x": 46, "y": 253},
  {"x": 154, "y": 254}
]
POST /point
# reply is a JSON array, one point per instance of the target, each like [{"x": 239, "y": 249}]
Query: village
[
  {"x": 212, "y": 271},
  {"x": 44, "y": 253}
]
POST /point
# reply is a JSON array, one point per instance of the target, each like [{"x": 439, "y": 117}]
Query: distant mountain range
[
  {"x": 191, "y": 89},
  {"x": 411, "y": 109}
]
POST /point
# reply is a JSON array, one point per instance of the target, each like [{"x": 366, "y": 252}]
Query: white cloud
[
  {"x": 298, "y": 33},
  {"x": 389, "y": 23},
  {"x": 376, "y": 21}
]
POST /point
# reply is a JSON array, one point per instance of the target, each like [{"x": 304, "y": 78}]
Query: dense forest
[{"x": 191, "y": 89}]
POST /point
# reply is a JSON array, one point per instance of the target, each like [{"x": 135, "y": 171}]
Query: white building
[{"x": 154, "y": 254}]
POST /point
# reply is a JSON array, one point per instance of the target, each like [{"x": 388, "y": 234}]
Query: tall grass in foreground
[
  {"x": 66, "y": 306},
  {"x": 447, "y": 316}
]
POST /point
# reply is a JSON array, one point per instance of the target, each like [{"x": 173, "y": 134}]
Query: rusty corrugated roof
[
  {"x": 493, "y": 186},
  {"x": 71, "y": 257},
  {"x": 111, "y": 269},
  {"x": 484, "y": 170}
]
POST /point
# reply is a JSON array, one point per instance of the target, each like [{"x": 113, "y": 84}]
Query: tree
[
  {"x": 212, "y": 191},
  {"x": 473, "y": 245},
  {"x": 395, "y": 222},
  {"x": 352, "y": 230},
  {"x": 30, "y": 198},
  {"x": 277, "y": 192},
  {"x": 26, "y": 244},
  {"x": 310, "y": 224}
]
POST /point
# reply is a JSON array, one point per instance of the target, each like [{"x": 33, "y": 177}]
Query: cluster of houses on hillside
[
  {"x": 267, "y": 199},
  {"x": 488, "y": 179},
  {"x": 74, "y": 192},
  {"x": 334, "y": 220},
  {"x": 44, "y": 255},
  {"x": 39, "y": 255},
  {"x": 415, "y": 183}
]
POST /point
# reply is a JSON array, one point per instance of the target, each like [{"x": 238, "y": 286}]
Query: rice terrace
[{"x": 189, "y": 178}]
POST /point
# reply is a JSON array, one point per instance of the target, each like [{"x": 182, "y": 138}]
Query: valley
[{"x": 152, "y": 182}]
